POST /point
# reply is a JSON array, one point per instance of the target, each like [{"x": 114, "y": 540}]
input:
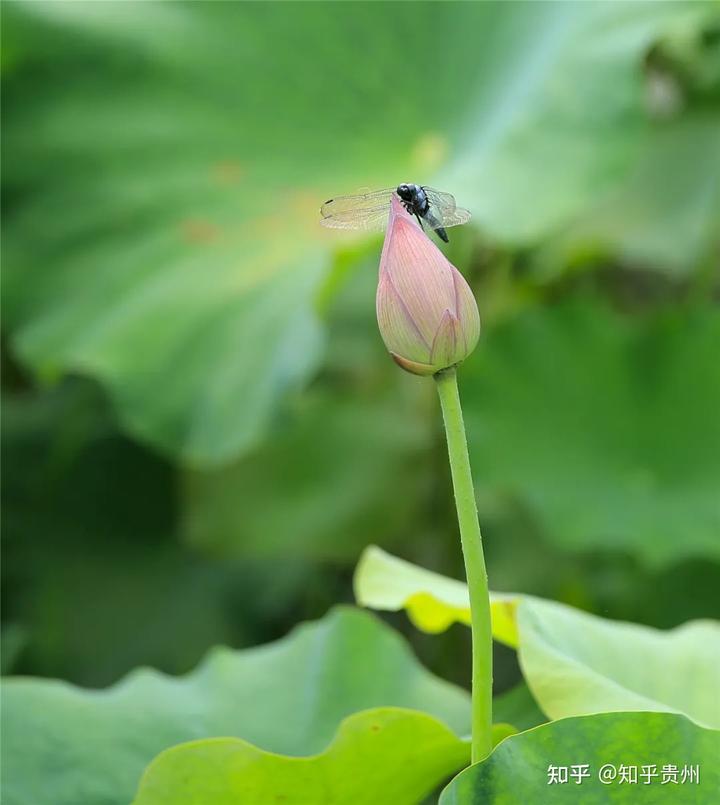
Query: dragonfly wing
[
  {"x": 365, "y": 211},
  {"x": 445, "y": 209},
  {"x": 374, "y": 221},
  {"x": 440, "y": 200},
  {"x": 457, "y": 217}
]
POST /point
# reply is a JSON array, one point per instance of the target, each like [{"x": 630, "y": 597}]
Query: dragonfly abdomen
[{"x": 432, "y": 221}]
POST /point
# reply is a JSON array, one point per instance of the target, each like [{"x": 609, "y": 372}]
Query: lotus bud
[{"x": 426, "y": 312}]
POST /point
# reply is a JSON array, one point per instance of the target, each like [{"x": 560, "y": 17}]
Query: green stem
[{"x": 474, "y": 564}]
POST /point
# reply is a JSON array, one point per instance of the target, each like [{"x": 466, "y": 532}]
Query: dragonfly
[{"x": 369, "y": 211}]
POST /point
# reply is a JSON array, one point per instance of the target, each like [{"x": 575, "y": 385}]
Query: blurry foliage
[
  {"x": 347, "y": 463},
  {"x": 164, "y": 163},
  {"x": 605, "y": 425},
  {"x": 67, "y": 745},
  {"x": 92, "y": 564},
  {"x": 374, "y": 484},
  {"x": 574, "y": 663}
]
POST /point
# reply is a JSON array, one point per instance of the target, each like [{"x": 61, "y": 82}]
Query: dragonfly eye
[{"x": 403, "y": 191}]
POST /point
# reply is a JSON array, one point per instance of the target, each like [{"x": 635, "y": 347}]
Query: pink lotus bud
[{"x": 426, "y": 312}]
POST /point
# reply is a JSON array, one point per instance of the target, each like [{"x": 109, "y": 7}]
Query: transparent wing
[
  {"x": 444, "y": 208},
  {"x": 455, "y": 218},
  {"x": 366, "y": 211},
  {"x": 440, "y": 201},
  {"x": 366, "y": 220}
]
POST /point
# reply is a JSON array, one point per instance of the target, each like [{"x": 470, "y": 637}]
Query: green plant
[{"x": 236, "y": 438}]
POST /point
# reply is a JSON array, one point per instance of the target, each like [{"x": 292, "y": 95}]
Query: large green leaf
[
  {"x": 379, "y": 757},
  {"x": 574, "y": 663},
  {"x": 604, "y": 425},
  {"x": 165, "y": 163},
  {"x": 63, "y": 745},
  {"x": 518, "y": 769}
]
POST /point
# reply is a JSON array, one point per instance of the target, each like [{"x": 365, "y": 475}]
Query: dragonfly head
[{"x": 405, "y": 191}]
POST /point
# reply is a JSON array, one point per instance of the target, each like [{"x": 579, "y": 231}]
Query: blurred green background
[{"x": 201, "y": 428}]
